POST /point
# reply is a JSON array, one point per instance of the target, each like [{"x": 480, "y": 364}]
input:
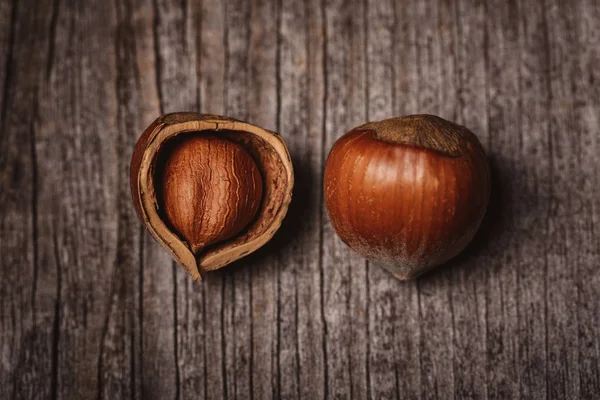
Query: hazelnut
[
  {"x": 209, "y": 188},
  {"x": 408, "y": 193}
]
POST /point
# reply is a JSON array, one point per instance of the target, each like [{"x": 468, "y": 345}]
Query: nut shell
[
  {"x": 268, "y": 151},
  {"x": 408, "y": 193}
]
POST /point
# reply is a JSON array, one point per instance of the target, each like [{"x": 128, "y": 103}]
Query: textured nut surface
[{"x": 210, "y": 188}]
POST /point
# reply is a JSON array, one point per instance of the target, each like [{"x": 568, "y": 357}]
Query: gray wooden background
[{"x": 92, "y": 308}]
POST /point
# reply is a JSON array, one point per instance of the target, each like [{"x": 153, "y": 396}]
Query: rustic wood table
[{"x": 91, "y": 307}]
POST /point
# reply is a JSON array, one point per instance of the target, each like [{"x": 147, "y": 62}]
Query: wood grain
[
  {"x": 91, "y": 307},
  {"x": 301, "y": 76}
]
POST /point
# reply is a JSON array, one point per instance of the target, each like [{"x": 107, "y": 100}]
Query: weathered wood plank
[
  {"x": 527, "y": 201},
  {"x": 301, "y": 360},
  {"x": 8, "y": 21},
  {"x": 142, "y": 108},
  {"x": 28, "y": 289},
  {"x": 503, "y": 58},
  {"x": 345, "y": 282},
  {"x": 121, "y": 367},
  {"x": 563, "y": 238},
  {"x": 264, "y": 93},
  {"x": 586, "y": 99},
  {"x": 77, "y": 182},
  {"x": 120, "y": 346}
]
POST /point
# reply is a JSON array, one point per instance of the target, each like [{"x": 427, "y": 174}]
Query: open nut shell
[{"x": 268, "y": 151}]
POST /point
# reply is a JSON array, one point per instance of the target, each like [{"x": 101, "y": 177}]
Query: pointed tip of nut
[{"x": 197, "y": 277}]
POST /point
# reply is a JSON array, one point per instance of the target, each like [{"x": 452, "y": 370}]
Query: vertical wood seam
[
  {"x": 132, "y": 364},
  {"x": 251, "y": 350},
  {"x": 396, "y": 372},
  {"x": 453, "y": 341},
  {"x": 296, "y": 323},
  {"x": 421, "y": 340},
  {"x": 204, "y": 342},
  {"x": 546, "y": 30},
  {"x": 225, "y": 59},
  {"x": 579, "y": 270},
  {"x": 140, "y": 311},
  {"x": 14, "y": 378},
  {"x": 134, "y": 354},
  {"x": 158, "y": 67},
  {"x": 278, "y": 17},
  {"x": 321, "y": 201},
  {"x": 456, "y": 56},
  {"x": 113, "y": 284},
  {"x": 234, "y": 339},
  {"x": 34, "y": 204},
  {"x": 394, "y": 33},
  {"x": 33, "y": 149},
  {"x": 486, "y": 60},
  {"x": 521, "y": 34},
  {"x": 57, "y": 316},
  {"x": 582, "y": 273},
  {"x": 223, "y": 341},
  {"x": 198, "y": 38},
  {"x": 103, "y": 336},
  {"x": 174, "y": 267},
  {"x": 8, "y": 69},
  {"x": 488, "y": 152},
  {"x": 52, "y": 37},
  {"x": 141, "y": 307},
  {"x": 184, "y": 24}
]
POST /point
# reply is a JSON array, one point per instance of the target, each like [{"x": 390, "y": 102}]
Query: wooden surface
[{"x": 92, "y": 308}]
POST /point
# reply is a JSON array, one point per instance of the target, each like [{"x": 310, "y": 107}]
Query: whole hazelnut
[
  {"x": 408, "y": 193},
  {"x": 209, "y": 188}
]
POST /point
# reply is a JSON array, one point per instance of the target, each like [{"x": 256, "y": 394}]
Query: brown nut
[
  {"x": 209, "y": 188},
  {"x": 407, "y": 192}
]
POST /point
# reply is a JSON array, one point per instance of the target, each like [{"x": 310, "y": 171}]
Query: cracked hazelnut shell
[{"x": 210, "y": 189}]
